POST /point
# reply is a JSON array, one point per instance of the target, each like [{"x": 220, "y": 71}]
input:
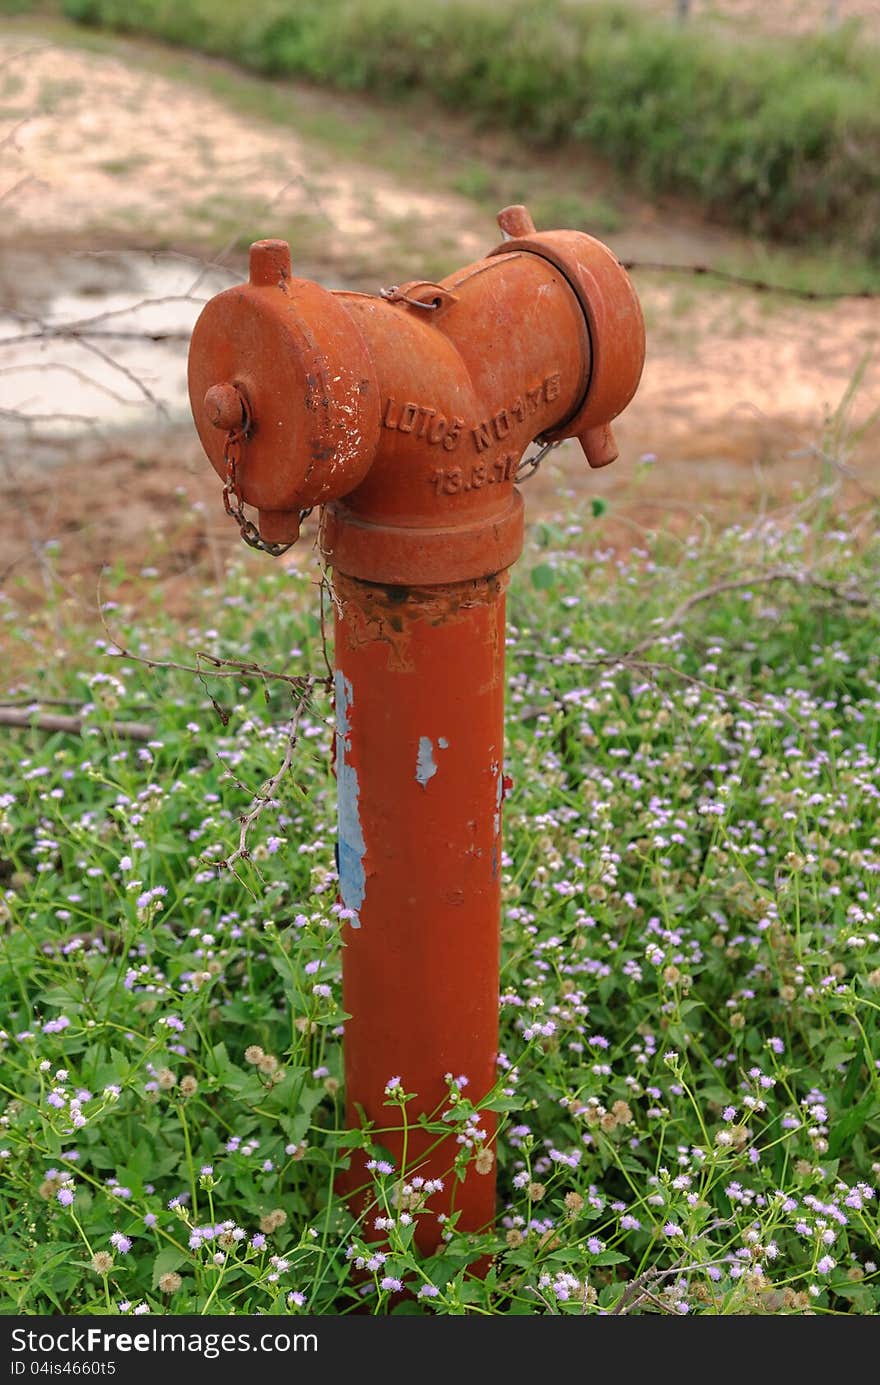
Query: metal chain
[
  {"x": 232, "y": 498},
  {"x": 529, "y": 465},
  {"x": 395, "y": 294}
]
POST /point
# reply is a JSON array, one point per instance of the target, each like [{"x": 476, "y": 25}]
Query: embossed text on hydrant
[
  {"x": 453, "y": 479},
  {"x": 495, "y": 429},
  {"x": 423, "y": 422}
]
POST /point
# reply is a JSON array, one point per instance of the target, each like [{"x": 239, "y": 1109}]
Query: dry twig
[
  {"x": 265, "y": 795},
  {"x": 53, "y": 721}
]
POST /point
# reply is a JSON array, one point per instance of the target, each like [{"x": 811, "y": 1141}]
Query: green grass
[
  {"x": 690, "y": 914},
  {"x": 781, "y": 138}
]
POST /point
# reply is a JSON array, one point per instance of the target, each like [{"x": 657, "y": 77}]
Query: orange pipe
[{"x": 419, "y": 768}]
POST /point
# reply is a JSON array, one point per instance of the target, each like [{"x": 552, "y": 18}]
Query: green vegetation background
[{"x": 781, "y": 138}]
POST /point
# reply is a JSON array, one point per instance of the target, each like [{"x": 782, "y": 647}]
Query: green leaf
[
  {"x": 851, "y": 1123},
  {"x": 543, "y": 577},
  {"x": 68, "y": 1001},
  {"x": 685, "y": 1006},
  {"x": 167, "y": 1260},
  {"x": 609, "y": 1257},
  {"x": 839, "y": 1051},
  {"x": 853, "y": 1077},
  {"x": 343, "y": 1139},
  {"x": 245, "y": 1085},
  {"x": 130, "y": 1177}
]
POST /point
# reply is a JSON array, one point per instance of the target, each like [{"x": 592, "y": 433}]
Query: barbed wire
[
  {"x": 86, "y": 329},
  {"x": 745, "y": 281}
]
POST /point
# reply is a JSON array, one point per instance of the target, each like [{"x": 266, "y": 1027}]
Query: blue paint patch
[
  {"x": 426, "y": 765},
  {"x": 351, "y": 846},
  {"x": 443, "y": 743}
]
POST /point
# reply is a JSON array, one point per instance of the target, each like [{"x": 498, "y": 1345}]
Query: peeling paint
[
  {"x": 351, "y": 846},
  {"x": 443, "y": 743},
  {"x": 426, "y": 765}
]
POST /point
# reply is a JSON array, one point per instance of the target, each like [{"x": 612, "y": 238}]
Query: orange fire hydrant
[{"x": 406, "y": 416}]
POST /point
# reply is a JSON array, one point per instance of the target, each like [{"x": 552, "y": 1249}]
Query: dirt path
[
  {"x": 106, "y": 152},
  {"x": 101, "y": 153}
]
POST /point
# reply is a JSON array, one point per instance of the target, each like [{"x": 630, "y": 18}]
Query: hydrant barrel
[{"x": 419, "y": 752}]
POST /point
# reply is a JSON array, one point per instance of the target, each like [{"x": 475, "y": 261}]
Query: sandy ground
[
  {"x": 733, "y": 412},
  {"x": 104, "y": 150}
]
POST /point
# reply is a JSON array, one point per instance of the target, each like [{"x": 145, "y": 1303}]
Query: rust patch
[{"x": 382, "y": 614}]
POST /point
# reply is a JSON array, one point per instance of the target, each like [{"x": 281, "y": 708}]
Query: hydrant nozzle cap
[
  {"x": 270, "y": 263},
  {"x": 282, "y": 363},
  {"x": 614, "y": 322}
]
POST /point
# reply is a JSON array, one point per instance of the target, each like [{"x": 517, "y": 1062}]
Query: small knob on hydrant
[
  {"x": 224, "y": 408},
  {"x": 599, "y": 445},
  {"x": 270, "y": 263},
  {"x": 515, "y": 221},
  {"x": 279, "y": 526}
]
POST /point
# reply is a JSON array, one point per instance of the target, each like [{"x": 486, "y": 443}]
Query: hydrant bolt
[
  {"x": 279, "y": 526},
  {"x": 515, "y": 221}
]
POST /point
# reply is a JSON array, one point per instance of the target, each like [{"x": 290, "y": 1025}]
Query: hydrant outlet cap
[{"x": 281, "y": 359}]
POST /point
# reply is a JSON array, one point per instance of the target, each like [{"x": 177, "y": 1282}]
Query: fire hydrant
[{"x": 405, "y": 416}]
